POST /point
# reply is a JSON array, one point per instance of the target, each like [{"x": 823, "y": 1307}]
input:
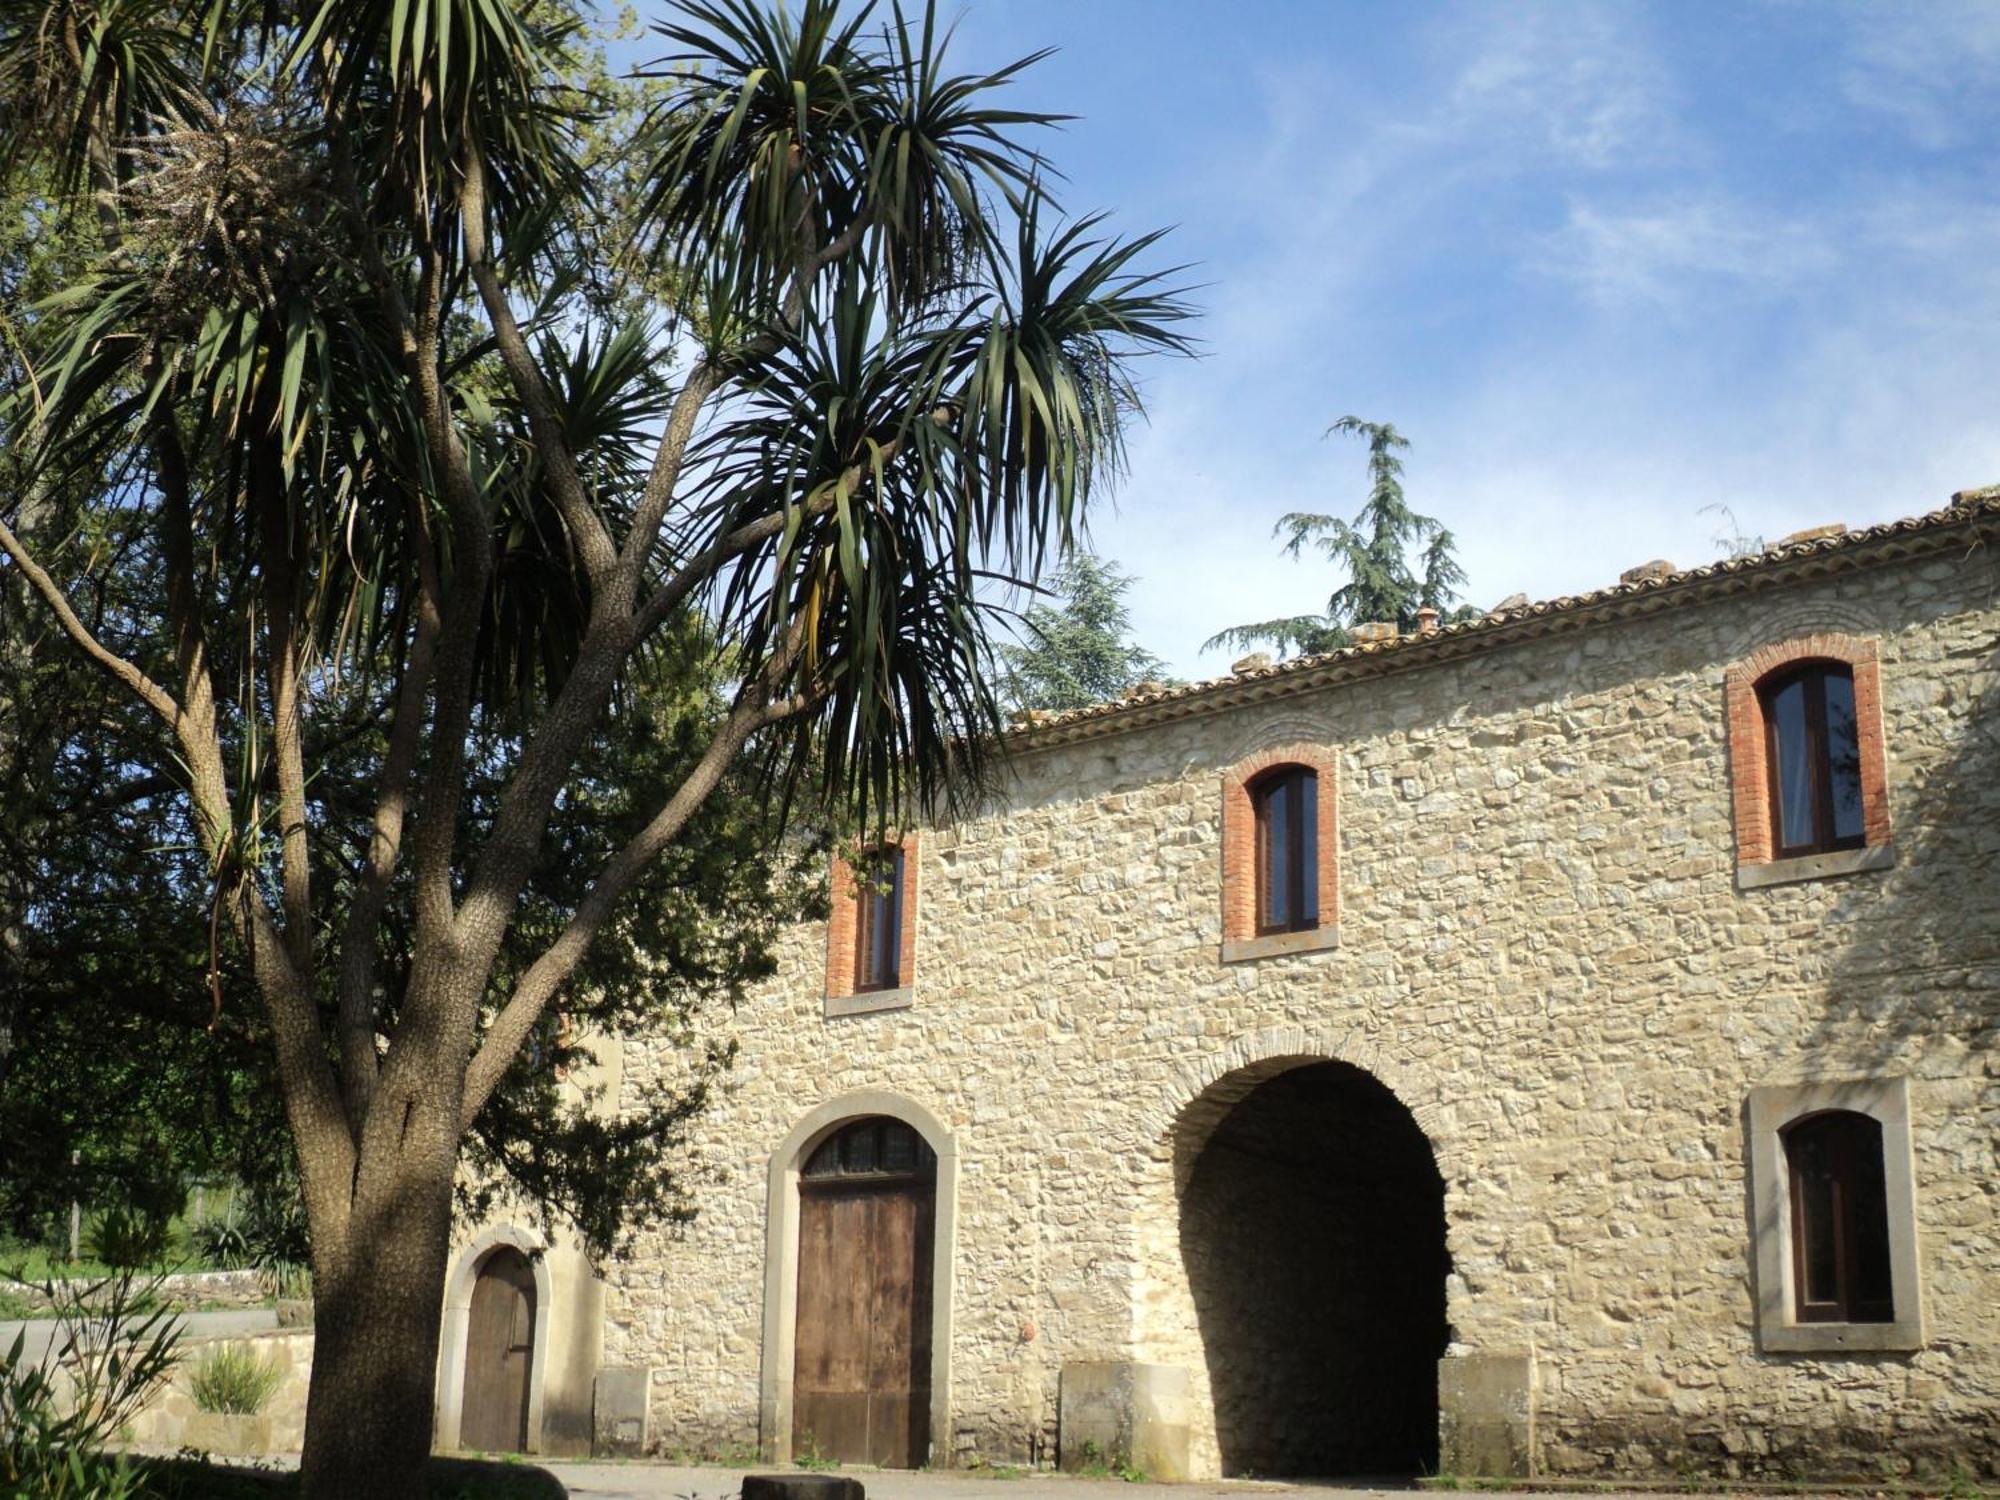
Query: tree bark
[{"x": 377, "y": 1305}]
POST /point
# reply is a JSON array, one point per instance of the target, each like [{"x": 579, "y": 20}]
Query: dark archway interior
[{"x": 1312, "y": 1228}]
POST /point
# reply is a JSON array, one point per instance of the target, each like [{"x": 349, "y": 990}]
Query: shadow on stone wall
[{"x": 1312, "y": 1228}]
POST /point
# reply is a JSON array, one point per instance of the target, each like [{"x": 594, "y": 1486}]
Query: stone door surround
[{"x": 781, "y": 1261}]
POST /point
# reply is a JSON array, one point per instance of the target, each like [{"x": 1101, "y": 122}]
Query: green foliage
[
  {"x": 220, "y": 1242},
  {"x": 231, "y": 1378},
  {"x": 1095, "y": 1463},
  {"x": 807, "y": 1456},
  {"x": 112, "y": 1346},
  {"x": 1396, "y": 561},
  {"x": 1076, "y": 651},
  {"x": 130, "y": 1237}
]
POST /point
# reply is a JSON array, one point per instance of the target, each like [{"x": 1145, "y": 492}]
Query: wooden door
[
  {"x": 499, "y": 1355},
  {"x": 861, "y": 1385}
]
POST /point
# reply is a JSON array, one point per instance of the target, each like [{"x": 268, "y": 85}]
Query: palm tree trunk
[{"x": 377, "y": 1304}]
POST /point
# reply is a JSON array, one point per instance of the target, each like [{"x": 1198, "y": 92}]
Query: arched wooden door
[
  {"x": 861, "y": 1384},
  {"x": 499, "y": 1355}
]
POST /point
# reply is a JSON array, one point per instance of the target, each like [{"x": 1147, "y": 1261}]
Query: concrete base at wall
[
  {"x": 1121, "y": 1412},
  {"x": 619, "y": 1412},
  {"x": 1486, "y": 1414}
]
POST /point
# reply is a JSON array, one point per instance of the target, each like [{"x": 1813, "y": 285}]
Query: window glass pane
[
  {"x": 1788, "y": 722},
  {"x": 1843, "y": 753},
  {"x": 1278, "y": 816},
  {"x": 1868, "y": 1224},
  {"x": 825, "y": 1161},
  {"x": 899, "y": 1148},
  {"x": 891, "y": 925},
  {"x": 1810, "y": 1151},
  {"x": 858, "y": 1149},
  {"x": 1308, "y": 787}
]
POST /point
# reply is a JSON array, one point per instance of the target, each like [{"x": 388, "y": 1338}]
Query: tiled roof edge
[{"x": 1974, "y": 513}]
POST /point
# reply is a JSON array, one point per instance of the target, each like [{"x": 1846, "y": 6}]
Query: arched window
[
  {"x": 1285, "y": 801},
  {"x": 872, "y": 1148},
  {"x": 1813, "y": 742},
  {"x": 878, "y": 928},
  {"x": 1840, "y": 1219}
]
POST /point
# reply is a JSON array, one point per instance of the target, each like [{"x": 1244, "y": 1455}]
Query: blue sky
[{"x": 1604, "y": 264}]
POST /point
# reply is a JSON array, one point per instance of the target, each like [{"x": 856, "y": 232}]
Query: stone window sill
[
  {"x": 1815, "y": 866},
  {"x": 868, "y": 1002},
  {"x": 1839, "y": 1338},
  {"x": 1280, "y": 944}
]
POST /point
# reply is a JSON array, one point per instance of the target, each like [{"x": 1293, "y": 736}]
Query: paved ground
[
  {"x": 201, "y": 1325},
  {"x": 646, "y": 1481}
]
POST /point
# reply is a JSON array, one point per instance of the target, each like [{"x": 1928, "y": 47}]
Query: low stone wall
[
  {"x": 172, "y": 1420},
  {"x": 185, "y": 1289}
]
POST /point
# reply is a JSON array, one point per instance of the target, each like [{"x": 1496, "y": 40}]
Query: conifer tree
[
  {"x": 1374, "y": 550},
  {"x": 1077, "y": 650}
]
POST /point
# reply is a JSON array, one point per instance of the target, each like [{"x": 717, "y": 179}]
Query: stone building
[{"x": 1563, "y": 1042}]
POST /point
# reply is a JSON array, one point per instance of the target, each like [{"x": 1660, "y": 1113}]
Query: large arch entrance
[{"x": 1312, "y": 1231}]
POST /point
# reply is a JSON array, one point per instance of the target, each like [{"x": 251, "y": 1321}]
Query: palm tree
[{"x": 373, "y": 460}]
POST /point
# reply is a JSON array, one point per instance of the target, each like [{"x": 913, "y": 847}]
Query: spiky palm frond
[
  {"x": 80, "y": 77},
  {"x": 789, "y": 136}
]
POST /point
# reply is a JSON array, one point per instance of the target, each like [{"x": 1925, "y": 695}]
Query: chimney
[{"x": 1427, "y": 621}]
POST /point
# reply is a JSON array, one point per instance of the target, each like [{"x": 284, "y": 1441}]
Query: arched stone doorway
[
  {"x": 499, "y": 1354},
  {"x": 1312, "y": 1232},
  {"x": 489, "y": 1275},
  {"x": 861, "y": 1377},
  {"x": 862, "y": 1225}
]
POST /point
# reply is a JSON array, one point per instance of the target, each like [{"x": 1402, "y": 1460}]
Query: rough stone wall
[
  {"x": 1544, "y": 954},
  {"x": 171, "y": 1419}
]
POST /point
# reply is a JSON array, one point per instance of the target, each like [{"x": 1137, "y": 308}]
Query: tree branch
[
  {"x": 148, "y": 691},
  {"x": 358, "y": 957},
  {"x": 586, "y": 528},
  {"x": 546, "y": 975},
  {"x": 281, "y": 628}
]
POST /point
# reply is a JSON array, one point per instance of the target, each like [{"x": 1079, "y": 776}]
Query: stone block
[
  {"x": 1486, "y": 1414},
  {"x": 1119, "y": 1411},
  {"x": 618, "y": 1412},
  {"x": 801, "y": 1487}
]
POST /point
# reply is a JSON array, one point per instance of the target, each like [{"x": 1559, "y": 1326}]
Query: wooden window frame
[
  {"x": 873, "y": 908},
  {"x": 1753, "y": 777},
  {"x": 1846, "y": 1306},
  {"x": 1241, "y": 904},
  {"x": 1812, "y": 674},
  {"x": 1276, "y": 782},
  {"x": 844, "y": 934}
]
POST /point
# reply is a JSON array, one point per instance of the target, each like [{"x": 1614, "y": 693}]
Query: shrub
[
  {"x": 130, "y": 1238},
  {"x": 233, "y": 1380},
  {"x": 112, "y": 1345},
  {"x": 221, "y": 1243}
]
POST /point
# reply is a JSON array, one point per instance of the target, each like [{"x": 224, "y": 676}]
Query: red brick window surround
[
  {"x": 1302, "y": 914},
  {"x": 858, "y": 978},
  {"x": 1790, "y": 692}
]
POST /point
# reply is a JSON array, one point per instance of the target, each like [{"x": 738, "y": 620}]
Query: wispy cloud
[
  {"x": 1929, "y": 68},
  {"x": 1572, "y": 84},
  {"x": 1665, "y": 251}
]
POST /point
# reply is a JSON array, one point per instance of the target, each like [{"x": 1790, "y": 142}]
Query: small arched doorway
[
  {"x": 1312, "y": 1229},
  {"x": 499, "y": 1354},
  {"x": 861, "y": 1381}
]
